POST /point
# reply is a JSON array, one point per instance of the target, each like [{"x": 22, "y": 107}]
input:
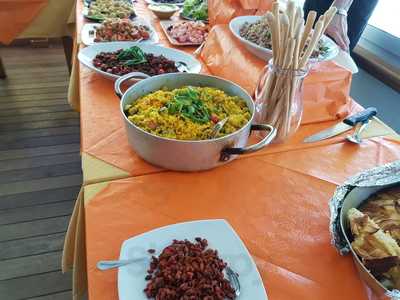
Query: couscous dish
[{"x": 188, "y": 113}]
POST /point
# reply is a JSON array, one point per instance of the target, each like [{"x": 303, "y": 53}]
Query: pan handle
[
  {"x": 134, "y": 75},
  {"x": 227, "y": 152}
]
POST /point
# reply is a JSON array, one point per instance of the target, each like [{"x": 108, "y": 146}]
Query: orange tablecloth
[
  {"x": 281, "y": 214},
  {"x": 222, "y": 11},
  {"x": 16, "y": 15}
]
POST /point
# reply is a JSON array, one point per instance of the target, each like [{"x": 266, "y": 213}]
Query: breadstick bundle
[{"x": 279, "y": 100}]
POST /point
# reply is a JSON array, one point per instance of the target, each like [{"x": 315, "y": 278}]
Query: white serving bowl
[
  {"x": 266, "y": 54},
  {"x": 86, "y": 55},
  {"x": 88, "y": 39}
]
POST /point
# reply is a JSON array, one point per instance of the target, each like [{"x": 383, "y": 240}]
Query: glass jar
[{"x": 279, "y": 99}]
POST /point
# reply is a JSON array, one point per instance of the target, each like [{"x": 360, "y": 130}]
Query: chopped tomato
[{"x": 214, "y": 119}]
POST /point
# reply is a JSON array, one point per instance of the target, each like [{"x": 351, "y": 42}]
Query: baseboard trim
[{"x": 34, "y": 42}]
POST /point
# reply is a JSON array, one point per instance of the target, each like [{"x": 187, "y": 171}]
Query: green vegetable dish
[
  {"x": 196, "y": 10},
  {"x": 102, "y": 9}
]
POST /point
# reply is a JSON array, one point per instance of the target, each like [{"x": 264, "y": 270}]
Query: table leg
[
  {"x": 2, "y": 70},
  {"x": 68, "y": 46}
]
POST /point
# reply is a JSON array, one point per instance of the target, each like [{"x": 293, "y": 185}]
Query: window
[
  {"x": 382, "y": 34},
  {"x": 385, "y": 17}
]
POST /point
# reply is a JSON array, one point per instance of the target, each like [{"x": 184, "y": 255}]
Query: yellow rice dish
[{"x": 188, "y": 113}]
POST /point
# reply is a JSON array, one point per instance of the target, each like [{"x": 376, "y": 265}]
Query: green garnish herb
[
  {"x": 188, "y": 104},
  {"x": 132, "y": 56}
]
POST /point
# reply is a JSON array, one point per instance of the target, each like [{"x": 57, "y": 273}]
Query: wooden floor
[{"x": 40, "y": 173}]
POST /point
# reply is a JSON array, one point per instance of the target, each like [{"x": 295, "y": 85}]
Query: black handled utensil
[{"x": 350, "y": 122}]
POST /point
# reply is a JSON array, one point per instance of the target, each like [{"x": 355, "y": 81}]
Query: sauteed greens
[
  {"x": 132, "y": 56},
  {"x": 187, "y": 102}
]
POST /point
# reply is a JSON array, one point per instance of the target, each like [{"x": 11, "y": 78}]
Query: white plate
[
  {"x": 86, "y": 55},
  {"x": 220, "y": 236},
  {"x": 153, "y": 2},
  {"x": 266, "y": 54},
  {"x": 344, "y": 59},
  {"x": 165, "y": 24},
  {"x": 88, "y": 40},
  {"x": 85, "y": 13}
]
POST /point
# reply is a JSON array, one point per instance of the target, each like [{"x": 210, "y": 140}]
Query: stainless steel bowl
[
  {"x": 182, "y": 155},
  {"x": 353, "y": 200}
]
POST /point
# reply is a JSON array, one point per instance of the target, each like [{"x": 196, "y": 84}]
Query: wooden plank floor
[{"x": 40, "y": 173}]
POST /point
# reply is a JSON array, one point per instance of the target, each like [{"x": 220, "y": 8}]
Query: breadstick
[
  {"x": 289, "y": 53},
  {"x": 272, "y": 25},
  {"x": 296, "y": 54},
  {"x": 283, "y": 42},
  {"x": 307, "y": 29},
  {"x": 290, "y": 10},
  {"x": 298, "y": 21},
  {"x": 311, "y": 46},
  {"x": 329, "y": 14},
  {"x": 275, "y": 11},
  {"x": 279, "y": 88}
]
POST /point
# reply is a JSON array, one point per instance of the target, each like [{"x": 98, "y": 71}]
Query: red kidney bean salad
[
  {"x": 186, "y": 271},
  {"x": 133, "y": 59}
]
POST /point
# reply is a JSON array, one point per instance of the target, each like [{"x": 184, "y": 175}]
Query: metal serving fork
[
  {"x": 234, "y": 280},
  {"x": 182, "y": 66}
]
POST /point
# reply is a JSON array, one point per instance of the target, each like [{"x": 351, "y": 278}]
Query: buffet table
[{"x": 276, "y": 199}]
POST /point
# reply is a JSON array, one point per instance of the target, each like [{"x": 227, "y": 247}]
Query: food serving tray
[
  {"x": 220, "y": 236},
  {"x": 88, "y": 38},
  {"x": 86, "y": 55},
  {"x": 87, "y": 2},
  {"x": 266, "y": 54},
  {"x": 85, "y": 13},
  {"x": 165, "y": 25}
]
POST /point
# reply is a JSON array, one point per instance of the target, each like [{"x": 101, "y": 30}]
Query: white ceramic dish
[
  {"x": 220, "y": 236},
  {"x": 88, "y": 39},
  {"x": 266, "y": 54},
  {"x": 346, "y": 61},
  {"x": 87, "y": 54},
  {"x": 353, "y": 200},
  {"x": 154, "y": 2},
  {"x": 165, "y": 25},
  {"x": 85, "y": 13}
]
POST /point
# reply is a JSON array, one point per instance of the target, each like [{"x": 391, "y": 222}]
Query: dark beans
[
  {"x": 186, "y": 271},
  {"x": 155, "y": 65}
]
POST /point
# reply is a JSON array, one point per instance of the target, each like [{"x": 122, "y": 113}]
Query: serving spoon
[
  {"x": 182, "y": 66},
  {"x": 112, "y": 264},
  {"x": 217, "y": 127}
]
